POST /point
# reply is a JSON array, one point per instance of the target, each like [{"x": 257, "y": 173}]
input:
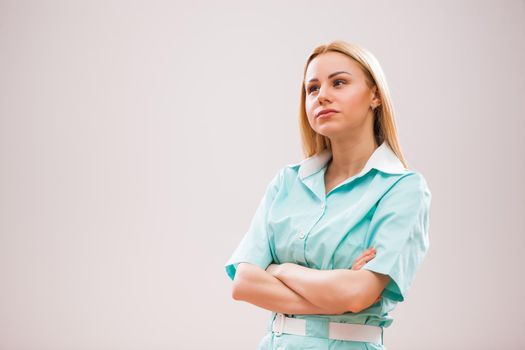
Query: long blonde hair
[{"x": 384, "y": 122}]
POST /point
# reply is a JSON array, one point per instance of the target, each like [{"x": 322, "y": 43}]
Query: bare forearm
[
  {"x": 256, "y": 286},
  {"x": 332, "y": 289}
]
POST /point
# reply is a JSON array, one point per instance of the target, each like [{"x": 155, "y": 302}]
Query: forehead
[{"x": 329, "y": 62}]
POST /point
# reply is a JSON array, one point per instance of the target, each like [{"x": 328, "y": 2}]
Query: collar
[{"x": 382, "y": 159}]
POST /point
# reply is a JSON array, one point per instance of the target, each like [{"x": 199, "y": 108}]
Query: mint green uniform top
[{"x": 384, "y": 205}]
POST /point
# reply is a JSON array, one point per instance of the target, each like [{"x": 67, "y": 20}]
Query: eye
[
  {"x": 311, "y": 88},
  {"x": 337, "y": 82}
]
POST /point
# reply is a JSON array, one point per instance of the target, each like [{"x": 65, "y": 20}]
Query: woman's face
[{"x": 334, "y": 81}]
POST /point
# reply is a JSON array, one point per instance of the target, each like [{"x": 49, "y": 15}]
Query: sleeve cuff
[
  {"x": 231, "y": 267},
  {"x": 392, "y": 290}
]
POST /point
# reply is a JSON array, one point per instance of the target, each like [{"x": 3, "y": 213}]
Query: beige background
[{"x": 136, "y": 139}]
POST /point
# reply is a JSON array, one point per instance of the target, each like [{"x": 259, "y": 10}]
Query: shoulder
[
  {"x": 412, "y": 179},
  {"x": 412, "y": 186},
  {"x": 284, "y": 176},
  {"x": 288, "y": 170},
  {"x": 285, "y": 173},
  {"x": 293, "y": 166}
]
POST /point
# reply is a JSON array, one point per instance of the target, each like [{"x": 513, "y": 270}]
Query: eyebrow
[{"x": 331, "y": 75}]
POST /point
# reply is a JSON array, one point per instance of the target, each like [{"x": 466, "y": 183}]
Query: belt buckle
[{"x": 278, "y": 324}]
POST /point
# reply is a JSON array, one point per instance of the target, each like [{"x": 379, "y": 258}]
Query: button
[{"x": 301, "y": 235}]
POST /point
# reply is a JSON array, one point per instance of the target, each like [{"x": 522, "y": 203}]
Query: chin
[{"x": 330, "y": 132}]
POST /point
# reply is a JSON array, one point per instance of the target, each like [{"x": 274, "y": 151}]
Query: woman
[{"x": 305, "y": 255}]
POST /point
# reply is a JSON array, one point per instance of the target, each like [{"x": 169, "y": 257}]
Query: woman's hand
[
  {"x": 365, "y": 257},
  {"x": 362, "y": 259}
]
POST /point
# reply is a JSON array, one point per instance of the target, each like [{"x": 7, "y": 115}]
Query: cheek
[
  {"x": 309, "y": 106},
  {"x": 354, "y": 101}
]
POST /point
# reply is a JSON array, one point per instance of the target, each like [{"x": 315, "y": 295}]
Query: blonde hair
[{"x": 384, "y": 122}]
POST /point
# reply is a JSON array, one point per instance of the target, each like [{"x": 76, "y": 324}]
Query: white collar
[{"x": 383, "y": 159}]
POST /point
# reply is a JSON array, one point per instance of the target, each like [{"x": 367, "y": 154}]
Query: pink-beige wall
[{"x": 137, "y": 137}]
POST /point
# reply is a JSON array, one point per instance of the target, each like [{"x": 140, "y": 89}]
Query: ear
[{"x": 376, "y": 98}]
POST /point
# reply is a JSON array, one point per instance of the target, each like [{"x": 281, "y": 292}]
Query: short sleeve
[
  {"x": 254, "y": 247},
  {"x": 399, "y": 232}
]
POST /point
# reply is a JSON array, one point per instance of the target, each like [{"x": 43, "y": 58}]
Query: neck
[{"x": 349, "y": 156}]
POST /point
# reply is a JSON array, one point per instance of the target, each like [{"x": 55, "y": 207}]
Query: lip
[{"x": 326, "y": 113}]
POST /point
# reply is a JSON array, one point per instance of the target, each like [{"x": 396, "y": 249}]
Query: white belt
[{"x": 336, "y": 330}]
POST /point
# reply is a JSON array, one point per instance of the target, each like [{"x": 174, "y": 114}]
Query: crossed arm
[{"x": 294, "y": 289}]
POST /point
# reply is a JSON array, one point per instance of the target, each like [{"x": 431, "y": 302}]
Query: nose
[{"x": 322, "y": 96}]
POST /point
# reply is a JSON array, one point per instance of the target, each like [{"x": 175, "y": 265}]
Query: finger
[
  {"x": 366, "y": 257},
  {"x": 358, "y": 266},
  {"x": 358, "y": 263},
  {"x": 370, "y": 250},
  {"x": 366, "y": 254}
]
